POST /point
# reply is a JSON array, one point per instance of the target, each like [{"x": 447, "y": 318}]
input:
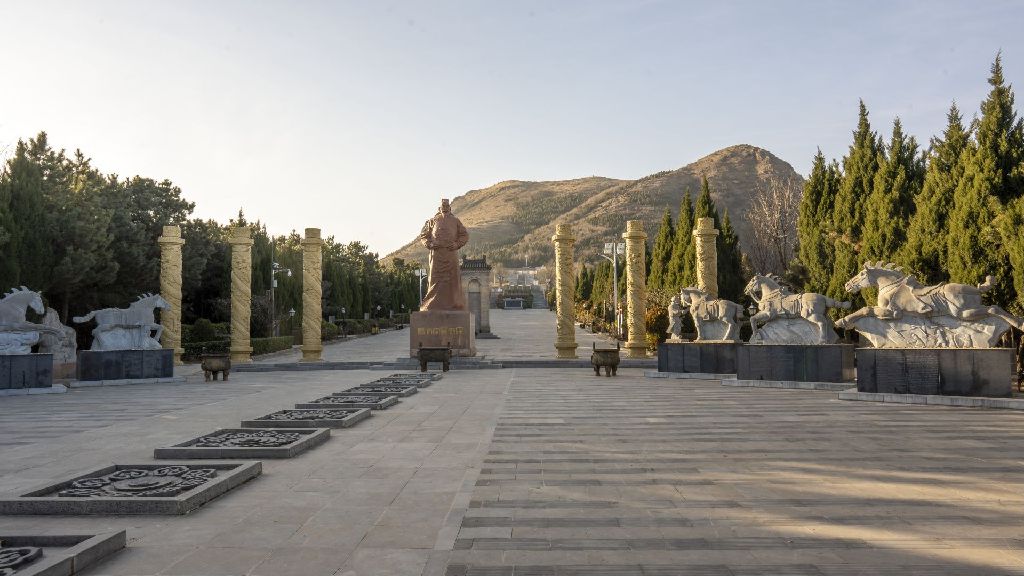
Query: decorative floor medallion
[
  {"x": 247, "y": 443},
  {"x": 135, "y": 482}
]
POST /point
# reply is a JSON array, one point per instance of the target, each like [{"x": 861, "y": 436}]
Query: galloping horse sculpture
[
  {"x": 805, "y": 316},
  {"x": 912, "y": 315},
  {"x": 17, "y": 334},
  {"x": 716, "y": 319},
  {"x": 127, "y": 328}
]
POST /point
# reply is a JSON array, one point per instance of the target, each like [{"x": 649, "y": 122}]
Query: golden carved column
[
  {"x": 707, "y": 256},
  {"x": 170, "y": 289},
  {"x": 565, "y": 290},
  {"x": 241, "y": 292},
  {"x": 312, "y": 292},
  {"x": 636, "y": 289}
]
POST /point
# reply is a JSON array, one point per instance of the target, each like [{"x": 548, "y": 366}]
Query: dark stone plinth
[
  {"x": 936, "y": 371},
  {"x": 697, "y": 357},
  {"x": 247, "y": 443},
  {"x": 382, "y": 390},
  {"x": 795, "y": 362},
  {"x": 63, "y": 555},
  {"x": 21, "y": 371},
  {"x": 350, "y": 401},
  {"x": 132, "y": 500},
  {"x": 125, "y": 364},
  {"x": 310, "y": 418}
]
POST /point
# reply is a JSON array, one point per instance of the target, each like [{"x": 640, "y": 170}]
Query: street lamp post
[
  {"x": 611, "y": 254},
  {"x": 275, "y": 328},
  {"x": 420, "y": 274}
]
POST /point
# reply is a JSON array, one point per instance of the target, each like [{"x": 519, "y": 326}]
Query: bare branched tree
[{"x": 772, "y": 217}]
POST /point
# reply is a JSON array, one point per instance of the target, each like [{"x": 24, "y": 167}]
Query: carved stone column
[
  {"x": 565, "y": 290},
  {"x": 241, "y": 292},
  {"x": 170, "y": 289},
  {"x": 707, "y": 256},
  {"x": 312, "y": 292},
  {"x": 636, "y": 289}
]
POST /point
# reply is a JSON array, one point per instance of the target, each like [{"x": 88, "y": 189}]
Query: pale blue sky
[{"x": 358, "y": 116}]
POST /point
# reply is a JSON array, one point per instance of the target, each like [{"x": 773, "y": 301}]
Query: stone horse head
[
  {"x": 15, "y": 304},
  {"x": 150, "y": 301}
]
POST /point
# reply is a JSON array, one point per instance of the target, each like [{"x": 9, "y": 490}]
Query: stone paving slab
[{"x": 246, "y": 443}]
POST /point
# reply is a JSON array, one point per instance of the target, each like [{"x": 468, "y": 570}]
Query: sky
[{"x": 357, "y": 117}]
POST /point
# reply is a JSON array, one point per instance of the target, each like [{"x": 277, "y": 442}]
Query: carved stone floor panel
[
  {"x": 22, "y": 555},
  {"x": 318, "y": 418},
  {"x": 152, "y": 488},
  {"x": 375, "y": 390},
  {"x": 349, "y": 401},
  {"x": 247, "y": 443}
]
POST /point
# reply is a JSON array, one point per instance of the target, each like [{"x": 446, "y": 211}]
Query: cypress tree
[
  {"x": 662, "y": 252},
  {"x": 888, "y": 207},
  {"x": 816, "y": 251},
  {"x": 925, "y": 250},
  {"x": 730, "y": 262},
  {"x": 705, "y": 207},
  {"x": 992, "y": 175},
  {"x": 680, "y": 271}
]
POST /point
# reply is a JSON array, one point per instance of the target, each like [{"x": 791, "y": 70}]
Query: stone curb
[
  {"x": 55, "y": 389},
  {"x": 934, "y": 400},
  {"x": 688, "y": 375},
  {"x": 791, "y": 385},
  {"x": 126, "y": 382}
]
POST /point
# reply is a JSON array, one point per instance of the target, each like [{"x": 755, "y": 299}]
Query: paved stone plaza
[{"x": 547, "y": 472}]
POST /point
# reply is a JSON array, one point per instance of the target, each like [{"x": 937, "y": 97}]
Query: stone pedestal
[
  {"x": 26, "y": 371},
  {"x": 940, "y": 371},
  {"x": 170, "y": 289},
  {"x": 697, "y": 357},
  {"x": 312, "y": 292},
  {"x": 476, "y": 283},
  {"x": 241, "y": 292},
  {"x": 707, "y": 256},
  {"x": 795, "y": 362},
  {"x": 96, "y": 365},
  {"x": 565, "y": 290},
  {"x": 443, "y": 328},
  {"x": 636, "y": 289}
]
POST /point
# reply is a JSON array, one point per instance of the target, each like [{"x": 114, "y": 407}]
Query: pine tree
[
  {"x": 705, "y": 207},
  {"x": 890, "y": 204},
  {"x": 730, "y": 262},
  {"x": 993, "y": 175},
  {"x": 816, "y": 251},
  {"x": 662, "y": 252},
  {"x": 924, "y": 253},
  {"x": 680, "y": 271}
]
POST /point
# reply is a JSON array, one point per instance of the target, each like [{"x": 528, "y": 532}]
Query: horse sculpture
[
  {"x": 789, "y": 318},
  {"x": 17, "y": 334},
  {"x": 912, "y": 315},
  {"x": 127, "y": 328},
  {"x": 715, "y": 319}
]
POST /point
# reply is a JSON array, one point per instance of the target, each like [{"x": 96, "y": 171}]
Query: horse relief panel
[
  {"x": 132, "y": 328},
  {"x": 717, "y": 320},
  {"x": 911, "y": 315},
  {"x": 786, "y": 318}
]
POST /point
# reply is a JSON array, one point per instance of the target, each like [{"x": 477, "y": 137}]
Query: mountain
[{"x": 512, "y": 221}]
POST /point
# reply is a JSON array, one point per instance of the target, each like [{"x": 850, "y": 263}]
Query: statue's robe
[{"x": 443, "y": 235}]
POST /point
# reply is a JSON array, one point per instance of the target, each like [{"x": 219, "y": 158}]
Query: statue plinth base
[
  {"x": 125, "y": 364},
  {"x": 697, "y": 357},
  {"x": 636, "y": 349},
  {"x": 795, "y": 362},
  {"x": 566, "y": 349},
  {"x": 455, "y": 329},
  {"x": 936, "y": 371},
  {"x": 26, "y": 371}
]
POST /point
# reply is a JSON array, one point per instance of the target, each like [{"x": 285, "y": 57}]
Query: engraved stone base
[
  {"x": 382, "y": 390},
  {"x": 59, "y": 554},
  {"x": 702, "y": 357},
  {"x": 125, "y": 364},
  {"x": 246, "y": 443},
  {"x": 349, "y": 402},
  {"x": 26, "y": 371},
  {"x": 436, "y": 329},
  {"x": 130, "y": 489},
  {"x": 310, "y": 418},
  {"x": 939, "y": 371},
  {"x": 795, "y": 363}
]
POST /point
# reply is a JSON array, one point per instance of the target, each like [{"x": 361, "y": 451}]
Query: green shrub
[
  {"x": 204, "y": 331},
  {"x": 328, "y": 331},
  {"x": 194, "y": 350},
  {"x": 268, "y": 345}
]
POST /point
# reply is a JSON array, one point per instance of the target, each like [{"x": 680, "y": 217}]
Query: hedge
[
  {"x": 328, "y": 331},
  {"x": 268, "y": 345},
  {"x": 193, "y": 350}
]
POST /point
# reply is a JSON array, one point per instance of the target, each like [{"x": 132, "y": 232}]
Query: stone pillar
[
  {"x": 241, "y": 292},
  {"x": 636, "y": 289},
  {"x": 312, "y": 292},
  {"x": 170, "y": 289},
  {"x": 565, "y": 291},
  {"x": 707, "y": 256}
]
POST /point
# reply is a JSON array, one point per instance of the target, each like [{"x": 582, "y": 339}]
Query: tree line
[{"x": 88, "y": 240}]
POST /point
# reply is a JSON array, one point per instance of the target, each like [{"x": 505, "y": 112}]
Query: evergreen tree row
[{"x": 953, "y": 212}]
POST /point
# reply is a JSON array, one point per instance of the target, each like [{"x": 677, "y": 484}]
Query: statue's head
[{"x": 446, "y": 208}]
